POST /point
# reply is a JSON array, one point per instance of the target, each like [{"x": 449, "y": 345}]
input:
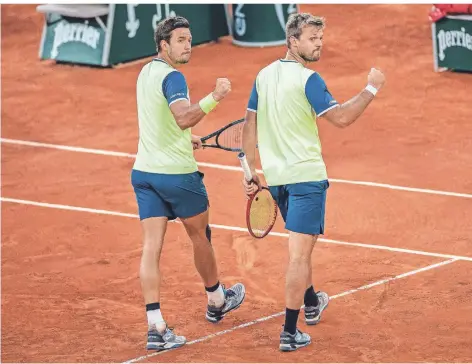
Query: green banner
[
  {"x": 452, "y": 41},
  {"x": 256, "y": 25},
  {"x": 134, "y": 25},
  {"x": 73, "y": 40},
  {"x": 125, "y": 34}
]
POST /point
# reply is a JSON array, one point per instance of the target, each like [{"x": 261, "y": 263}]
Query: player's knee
[
  {"x": 299, "y": 258},
  {"x": 199, "y": 234},
  {"x": 152, "y": 246},
  {"x": 208, "y": 233}
]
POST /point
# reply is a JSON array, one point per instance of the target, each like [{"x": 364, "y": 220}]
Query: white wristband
[{"x": 371, "y": 89}]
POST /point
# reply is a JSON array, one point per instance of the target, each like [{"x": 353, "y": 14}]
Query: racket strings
[
  {"x": 262, "y": 213},
  {"x": 232, "y": 137}
]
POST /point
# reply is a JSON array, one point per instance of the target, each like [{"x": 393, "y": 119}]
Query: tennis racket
[
  {"x": 261, "y": 209},
  {"x": 227, "y": 138}
]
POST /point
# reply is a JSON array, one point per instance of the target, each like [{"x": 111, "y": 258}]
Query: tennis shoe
[
  {"x": 313, "y": 313},
  {"x": 234, "y": 296},
  {"x": 163, "y": 341}
]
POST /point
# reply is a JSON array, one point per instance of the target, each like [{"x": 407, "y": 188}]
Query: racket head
[
  {"x": 227, "y": 138},
  {"x": 261, "y": 213},
  {"x": 230, "y": 138}
]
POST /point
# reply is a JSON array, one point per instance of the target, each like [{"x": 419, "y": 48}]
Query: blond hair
[{"x": 296, "y": 22}]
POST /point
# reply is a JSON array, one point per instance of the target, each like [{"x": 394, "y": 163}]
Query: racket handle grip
[{"x": 245, "y": 166}]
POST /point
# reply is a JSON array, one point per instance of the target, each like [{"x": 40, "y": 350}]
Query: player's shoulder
[
  {"x": 159, "y": 68},
  {"x": 313, "y": 76},
  {"x": 268, "y": 67},
  {"x": 145, "y": 69},
  {"x": 307, "y": 73},
  {"x": 267, "y": 70}
]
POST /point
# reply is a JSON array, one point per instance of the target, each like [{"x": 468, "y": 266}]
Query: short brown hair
[
  {"x": 296, "y": 22},
  {"x": 165, "y": 28}
]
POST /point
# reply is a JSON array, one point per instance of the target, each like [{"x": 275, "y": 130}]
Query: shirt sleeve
[
  {"x": 253, "y": 99},
  {"x": 174, "y": 87},
  {"x": 318, "y": 95}
]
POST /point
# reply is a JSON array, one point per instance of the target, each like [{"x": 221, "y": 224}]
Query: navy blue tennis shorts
[
  {"x": 302, "y": 205},
  {"x": 169, "y": 195}
]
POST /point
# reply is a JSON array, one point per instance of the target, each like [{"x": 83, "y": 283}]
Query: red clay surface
[{"x": 70, "y": 287}]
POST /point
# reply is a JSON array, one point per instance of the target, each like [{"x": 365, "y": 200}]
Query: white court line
[
  {"x": 236, "y": 228},
  {"x": 230, "y": 168},
  {"x": 262, "y": 319},
  {"x": 67, "y": 148},
  {"x": 67, "y": 207}
]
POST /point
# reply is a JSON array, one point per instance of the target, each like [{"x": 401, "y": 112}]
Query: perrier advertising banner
[
  {"x": 126, "y": 33},
  {"x": 73, "y": 40},
  {"x": 452, "y": 41}
]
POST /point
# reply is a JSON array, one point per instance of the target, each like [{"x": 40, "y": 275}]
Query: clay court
[{"x": 396, "y": 258}]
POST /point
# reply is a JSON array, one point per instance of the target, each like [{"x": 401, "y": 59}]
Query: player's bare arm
[
  {"x": 349, "y": 112},
  {"x": 249, "y": 148},
  {"x": 187, "y": 115},
  {"x": 249, "y": 139}
]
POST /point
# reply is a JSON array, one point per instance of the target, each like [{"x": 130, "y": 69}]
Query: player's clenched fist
[
  {"x": 223, "y": 87},
  {"x": 376, "y": 78}
]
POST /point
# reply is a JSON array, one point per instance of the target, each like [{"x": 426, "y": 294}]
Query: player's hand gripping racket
[
  {"x": 227, "y": 138},
  {"x": 261, "y": 210}
]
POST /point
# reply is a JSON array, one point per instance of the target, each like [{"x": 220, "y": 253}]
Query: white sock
[
  {"x": 155, "y": 318},
  {"x": 216, "y": 298}
]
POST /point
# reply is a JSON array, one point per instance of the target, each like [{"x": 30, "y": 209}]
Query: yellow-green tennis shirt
[
  {"x": 287, "y": 98},
  {"x": 163, "y": 147}
]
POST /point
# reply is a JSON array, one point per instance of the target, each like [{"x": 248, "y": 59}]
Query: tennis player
[
  {"x": 285, "y": 102},
  {"x": 166, "y": 179}
]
